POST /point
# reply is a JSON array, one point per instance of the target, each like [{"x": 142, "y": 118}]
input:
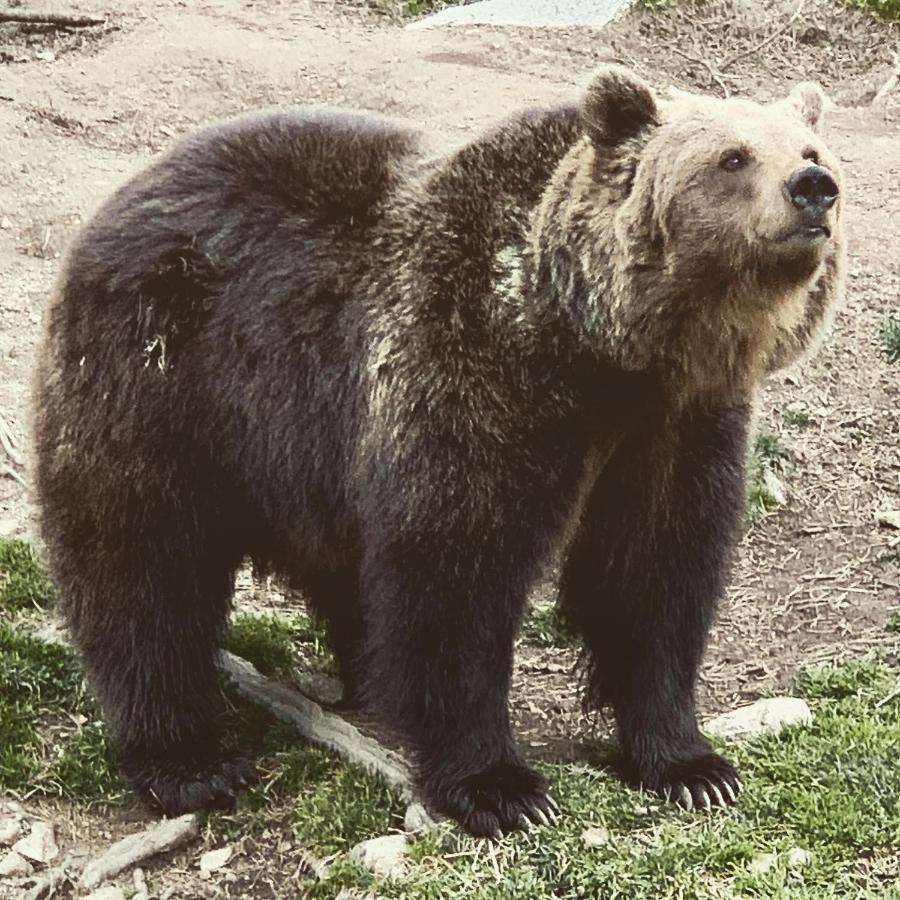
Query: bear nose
[{"x": 812, "y": 188}]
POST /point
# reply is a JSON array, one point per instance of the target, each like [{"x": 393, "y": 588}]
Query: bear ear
[
  {"x": 618, "y": 106},
  {"x": 807, "y": 101}
]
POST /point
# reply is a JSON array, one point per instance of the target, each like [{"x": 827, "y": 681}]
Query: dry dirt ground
[{"x": 82, "y": 111}]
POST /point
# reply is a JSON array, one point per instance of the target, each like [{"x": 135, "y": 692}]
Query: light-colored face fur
[{"x": 682, "y": 218}]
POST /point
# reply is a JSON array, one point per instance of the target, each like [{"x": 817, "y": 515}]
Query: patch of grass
[
  {"x": 889, "y": 334},
  {"x": 412, "y": 8},
  {"x": 831, "y": 789},
  {"x": 335, "y": 805},
  {"x": 795, "y": 418},
  {"x": 886, "y": 9},
  {"x": 272, "y": 642},
  {"x": 86, "y": 770},
  {"x": 766, "y": 459},
  {"x": 23, "y": 581},
  {"x": 893, "y": 623},
  {"x": 544, "y": 625},
  {"x": 37, "y": 681}
]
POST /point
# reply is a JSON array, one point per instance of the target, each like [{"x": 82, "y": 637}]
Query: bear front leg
[
  {"x": 441, "y": 614},
  {"x": 641, "y": 584}
]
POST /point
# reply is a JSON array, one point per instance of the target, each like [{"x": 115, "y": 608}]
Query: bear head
[{"x": 708, "y": 231}]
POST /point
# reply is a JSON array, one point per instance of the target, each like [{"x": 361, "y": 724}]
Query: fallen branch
[
  {"x": 320, "y": 727},
  {"x": 58, "y": 20},
  {"x": 311, "y": 721},
  {"x": 169, "y": 834}
]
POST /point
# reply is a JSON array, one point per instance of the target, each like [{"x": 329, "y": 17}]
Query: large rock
[
  {"x": 768, "y": 716},
  {"x": 529, "y": 13}
]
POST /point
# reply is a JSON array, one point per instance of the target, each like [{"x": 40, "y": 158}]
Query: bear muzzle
[{"x": 812, "y": 191}]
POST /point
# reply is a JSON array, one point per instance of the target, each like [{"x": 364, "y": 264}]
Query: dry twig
[
  {"x": 764, "y": 43},
  {"x": 8, "y": 442}
]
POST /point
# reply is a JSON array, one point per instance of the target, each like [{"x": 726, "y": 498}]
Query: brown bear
[{"x": 402, "y": 383}]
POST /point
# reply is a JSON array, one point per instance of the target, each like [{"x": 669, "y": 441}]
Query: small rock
[
  {"x": 14, "y": 864},
  {"x": 775, "y": 487},
  {"x": 108, "y": 892},
  {"x": 5, "y": 223},
  {"x": 798, "y": 857},
  {"x": 595, "y": 837},
  {"x": 418, "y": 820},
  {"x": 10, "y": 828},
  {"x": 40, "y": 845},
  {"x": 7, "y": 529},
  {"x": 141, "y": 891},
  {"x": 767, "y": 716},
  {"x": 214, "y": 859},
  {"x": 385, "y": 856},
  {"x": 763, "y": 863},
  {"x": 889, "y": 518},
  {"x": 45, "y": 55}
]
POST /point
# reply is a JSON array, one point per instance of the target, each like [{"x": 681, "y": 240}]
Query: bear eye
[
  {"x": 732, "y": 160},
  {"x": 811, "y": 155}
]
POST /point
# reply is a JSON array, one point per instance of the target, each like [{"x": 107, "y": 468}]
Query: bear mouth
[{"x": 808, "y": 234}]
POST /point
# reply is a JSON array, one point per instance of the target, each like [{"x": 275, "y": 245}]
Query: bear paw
[
  {"x": 502, "y": 798},
  {"x": 703, "y": 782},
  {"x": 180, "y": 790}
]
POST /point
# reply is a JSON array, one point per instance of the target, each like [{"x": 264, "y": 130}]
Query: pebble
[
  {"x": 40, "y": 845},
  {"x": 213, "y": 860},
  {"x": 15, "y": 864},
  {"x": 385, "y": 856},
  {"x": 595, "y": 837}
]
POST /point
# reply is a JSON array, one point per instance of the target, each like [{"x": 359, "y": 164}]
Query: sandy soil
[{"x": 81, "y": 112}]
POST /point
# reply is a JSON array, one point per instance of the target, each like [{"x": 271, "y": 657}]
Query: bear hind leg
[{"x": 147, "y": 616}]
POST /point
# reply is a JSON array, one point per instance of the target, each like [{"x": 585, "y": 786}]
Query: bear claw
[
  {"x": 705, "y": 783},
  {"x": 500, "y": 799}
]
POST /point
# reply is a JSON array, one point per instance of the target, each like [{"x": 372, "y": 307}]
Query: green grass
[
  {"x": 889, "y": 334},
  {"x": 767, "y": 455},
  {"x": 795, "y": 418},
  {"x": 42, "y": 700},
  {"x": 831, "y": 789},
  {"x": 274, "y": 643},
  {"x": 544, "y": 625},
  {"x": 893, "y": 624},
  {"x": 411, "y": 8},
  {"x": 23, "y": 581},
  {"x": 886, "y": 9}
]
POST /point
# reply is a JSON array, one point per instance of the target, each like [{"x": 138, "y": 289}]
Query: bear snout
[{"x": 812, "y": 189}]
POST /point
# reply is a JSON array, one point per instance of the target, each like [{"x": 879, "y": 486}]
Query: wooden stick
[{"x": 59, "y": 20}]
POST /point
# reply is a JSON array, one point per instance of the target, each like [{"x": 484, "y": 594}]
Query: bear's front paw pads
[
  {"x": 703, "y": 783},
  {"x": 211, "y": 788},
  {"x": 504, "y": 797}
]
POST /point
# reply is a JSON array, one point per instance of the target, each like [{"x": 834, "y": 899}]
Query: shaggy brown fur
[{"x": 400, "y": 384}]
